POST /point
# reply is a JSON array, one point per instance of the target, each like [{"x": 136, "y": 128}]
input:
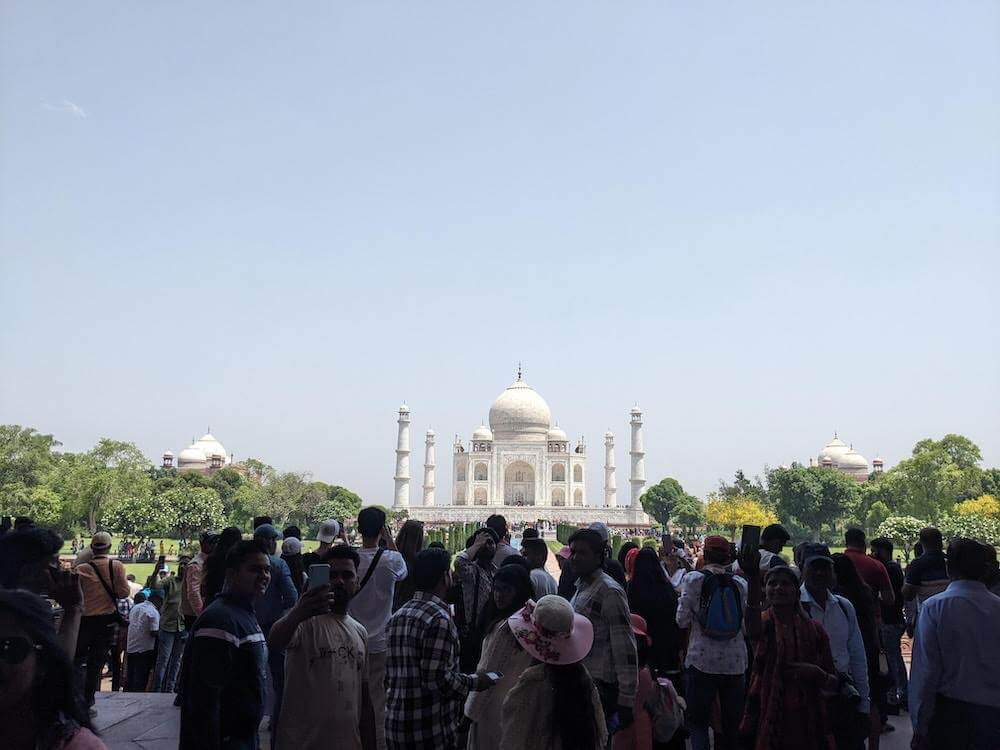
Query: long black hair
[
  {"x": 518, "y": 578},
  {"x": 574, "y": 721},
  {"x": 624, "y": 550},
  {"x": 851, "y": 586},
  {"x": 214, "y": 573},
  {"x": 56, "y": 693}
]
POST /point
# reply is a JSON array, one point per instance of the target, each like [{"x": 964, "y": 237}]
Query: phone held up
[
  {"x": 750, "y": 540},
  {"x": 319, "y": 575}
]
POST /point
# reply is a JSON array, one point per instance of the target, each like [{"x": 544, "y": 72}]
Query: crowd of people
[{"x": 391, "y": 645}]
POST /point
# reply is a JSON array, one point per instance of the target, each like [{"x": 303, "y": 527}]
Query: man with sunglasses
[{"x": 326, "y": 662}]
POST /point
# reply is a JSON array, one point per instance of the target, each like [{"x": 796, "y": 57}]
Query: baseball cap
[
  {"x": 100, "y": 540},
  {"x": 601, "y": 529},
  {"x": 266, "y": 531},
  {"x": 717, "y": 543},
  {"x": 815, "y": 551},
  {"x": 291, "y": 546},
  {"x": 328, "y": 531}
]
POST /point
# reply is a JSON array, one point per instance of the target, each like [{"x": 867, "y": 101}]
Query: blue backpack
[{"x": 720, "y": 611}]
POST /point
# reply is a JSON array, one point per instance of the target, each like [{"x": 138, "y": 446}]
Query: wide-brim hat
[
  {"x": 101, "y": 540},
  {"x": 565, "y": 553},
  {"x": 551, "y": 631},
  {"x": 640, "y": 628}
]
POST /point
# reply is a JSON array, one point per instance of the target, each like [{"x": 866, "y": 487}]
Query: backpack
[
  {"x": 720, "y": 611},
  {"x": 665, "y": 709}
]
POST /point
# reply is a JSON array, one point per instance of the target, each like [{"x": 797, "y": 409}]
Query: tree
[
  {"x": 25, "y": 456},
  {"x": 660, "y": 499},
  {"x": 813, "y": 497},
  {"x": 876, "y": 514},
  {"x": 340, "y": 503},
  {"x": 689, "y": 514},
  {"x": 41, "y": 504},
  {"x": 902, "y": 530},
  {"x": 971, "y": 526},
  {"x": 937, "y": 475},
  {"x": 986, "y": 506},
  {"x": 731, "y": 513},
  {"x": 195, "y": 509},
  {"x": 138, "y": 516},
  {"x": 743, "y": 487}
]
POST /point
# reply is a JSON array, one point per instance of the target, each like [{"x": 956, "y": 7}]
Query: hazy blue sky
[{"x": 761, "y": 224}]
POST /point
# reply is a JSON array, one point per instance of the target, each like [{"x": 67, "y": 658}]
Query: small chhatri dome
[
  {"x": 519, "y": 412},
  {"x": 878, "y": 461},
  {"x": 556, "y": 433},
  {"x": 168, "y": 454},
  {"x": 636, "y": 410},
  {"x": 482, "y": 433},
  {"x": 404, "y": 409},
  {"x": 430, "y": 433},
  {"x": 609, "y": 434}
]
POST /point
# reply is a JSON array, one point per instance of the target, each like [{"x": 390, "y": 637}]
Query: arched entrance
[{"x": 519, "y": 484}]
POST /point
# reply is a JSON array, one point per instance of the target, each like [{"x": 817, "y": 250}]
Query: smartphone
[
  {"x": 319, "y": 575},
  {"x": 495, "y": 676},
  {"x": 750, "y": 538}
]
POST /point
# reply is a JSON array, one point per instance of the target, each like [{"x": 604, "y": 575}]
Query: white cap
[
  {"x": 328, "y": 531},
  {"x": 291, "y": 546}
]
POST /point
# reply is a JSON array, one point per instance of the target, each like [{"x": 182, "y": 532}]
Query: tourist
[
  {"x": 192, "y": 602},
  {"x": 927, "y": 575},
  {"x": 474, "y": 570},
  {"x": 872, "y": 571},
  {"x": 225, "y": 662},
  {"x": 119, "y": 645},
  {"x": 773, "y": 539},
  {"x": 623, "y": 553},
  {"x": 291, "y": 532},
  {"x": 672, "y": 560},
  {"x": 326, "y": 671},
  {"x": 143, "y": 628},
  {"x": 567, "y": 576},
  {"x": 992, "y": 577},
  {"x": 104, "y": 584},
  {"x": 380, "y": 567},
  {"x": 893, "y": 624},
  {"x": 291, "y": 553},
  {"x": 711, "y": 608},
  {"x": 536, "y": 552},
  {"x": 329, "y": 530},
  {"x": 501, "y": 653},
  {"x": 426, "y": 689},
  {"x": 849, "y": 712},
  {"x": 40, "y": 704},
  {"x": 170, "y": 641},
  {"x": 954, "y": 692},
  {"x": 499, "y": 525},
  {"x": 792, "y": 664},
  {"x": 30, "y": 560},
  {"x": 133, "y": 587},
  {"x": 555, "y": 704},
  {"x": 612, "y": 661},
  {"x": 851, "y": 586},
  {"x": 213, "y": 573},
  {"x": 639, "y": 736},
  {"x": 651, "y": 596},
  {"x": 409, "y": 542},
  {"x": 530, "y": 532},
  {"x": 279, "y": 597}
]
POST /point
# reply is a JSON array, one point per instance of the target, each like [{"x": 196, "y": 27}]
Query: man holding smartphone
[{"x": 326, "y": 655}]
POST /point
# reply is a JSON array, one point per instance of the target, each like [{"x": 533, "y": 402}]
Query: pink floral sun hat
[{"x": 551, "y": 631}]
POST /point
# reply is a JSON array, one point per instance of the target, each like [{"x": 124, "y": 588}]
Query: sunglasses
[{"x": 15, "y": 649}]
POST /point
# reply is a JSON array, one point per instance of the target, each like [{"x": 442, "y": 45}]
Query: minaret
[
  {"x": 402, "y": 477},
  {"x": 429, "y": 468},
  {"x": 638, "y": 478},
  {"x": 609, "y": 470}
]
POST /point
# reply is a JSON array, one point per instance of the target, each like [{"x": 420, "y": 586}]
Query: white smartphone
[
  {"x": 495, "y": 676},
  {"x": 319, "y": 575}
]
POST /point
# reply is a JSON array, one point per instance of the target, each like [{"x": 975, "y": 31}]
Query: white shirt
[
  {"x": 143, "y": 624},
  {"x": 840, "y": 622},
  {"x": 372, "y": 606},
  {"x": 708, "y": 654},
  {"x": 543, "y": 583},
  {"x": 955, "y": 651}
]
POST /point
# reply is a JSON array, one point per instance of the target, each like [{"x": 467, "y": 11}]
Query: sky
[{"x": 761, "y": 224}]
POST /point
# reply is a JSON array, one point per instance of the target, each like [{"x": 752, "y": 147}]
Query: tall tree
[
  {"x": 689, "y": 514},
  {"x": 195, "y": 509},
  {"x": 660, "y": 499},
  {"x": 730, "y": 513},
  {"x": 939, "y": 474},
  {"x": 25, "y": 456},
  {"x": 340, "y": 503},
  {"x": 814, "y": 497},
  {"x": 744, "y": 487}
]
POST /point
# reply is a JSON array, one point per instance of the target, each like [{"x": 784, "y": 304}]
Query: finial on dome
[{"x": 518, "y": 370}]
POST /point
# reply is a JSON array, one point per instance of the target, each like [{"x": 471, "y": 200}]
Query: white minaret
[
  {"x": 609, "y": 470},
  {"x": 638, "y": 454},
  {"x": 429, "y": 468},
  {"x": 402, "y": 477}
]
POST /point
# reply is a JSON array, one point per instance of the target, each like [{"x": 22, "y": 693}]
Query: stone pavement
[{"x": 149, "y": 721}]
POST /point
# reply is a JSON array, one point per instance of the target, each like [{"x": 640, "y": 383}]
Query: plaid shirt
[
  {"x": 426, "y": 689},
  {"x": 612, "y": 659}
]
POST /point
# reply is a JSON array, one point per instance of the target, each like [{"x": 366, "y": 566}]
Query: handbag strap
[
  {"x": 107, "y": 587},
  {"x": 371, "y": 568}
]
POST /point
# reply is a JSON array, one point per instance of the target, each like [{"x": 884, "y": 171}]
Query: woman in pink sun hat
[{"x": 554, "y": 705}]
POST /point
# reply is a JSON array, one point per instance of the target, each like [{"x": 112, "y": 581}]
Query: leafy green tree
[
  {"x": 689, "y": 514},
  {"x": 743, "y": 487},
  {"x": 41, "y": 504},
  {"x": 983, "y": 528},
  {"x": 937, "y": 475},
  {"x": 876, "y": 514},
  {"x": 154, "y": 515},
  {"x": 814, "y": 497},
  {"x": 26, "y": 456},
  {"x": 340, "y": 503},
  {"x": 661, "y": 499},
  {"x": 195, "y": 509},
  {"x": 904, "y": 531}
]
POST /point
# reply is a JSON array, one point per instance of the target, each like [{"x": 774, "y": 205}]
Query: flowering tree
[
  {"x": 986, "y": 506},
  {"x": 732, "y": 513},
  {"x": 902, "y": 530}
]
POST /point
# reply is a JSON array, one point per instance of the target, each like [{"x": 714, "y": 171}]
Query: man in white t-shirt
[
  {"x": 143, "y": 627},
  {"x": 379, "y": 569},
  {"x": 536, "y": 552}
]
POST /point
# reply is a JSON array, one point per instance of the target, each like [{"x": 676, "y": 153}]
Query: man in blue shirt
[
  {"x": 280, "y": 597},
  {"x": 955, "y": 669}
]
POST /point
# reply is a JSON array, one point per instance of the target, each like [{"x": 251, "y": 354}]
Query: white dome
[
  {"x": 834, "y": 450},
  {"x": 210, "y": 446},
  {"x": 853, "y": 460},
  {"x": 482, "y": 433},
  {"x": 556, "y": 433},
  {"x": 192, "y": 455},
  {"x": 168, "y": 453},
  {"x": 519, "y": 412}
]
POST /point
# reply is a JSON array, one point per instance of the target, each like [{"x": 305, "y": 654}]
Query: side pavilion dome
[{"x": 520, "y": 413}]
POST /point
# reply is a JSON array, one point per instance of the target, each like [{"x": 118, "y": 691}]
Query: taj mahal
[{"x": 522, "y": 466}]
